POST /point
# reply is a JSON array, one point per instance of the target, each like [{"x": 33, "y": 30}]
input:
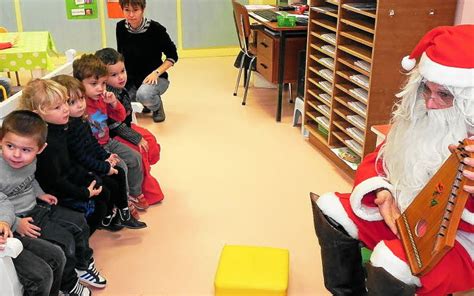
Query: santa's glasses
[{"x": 436, "y": 96}]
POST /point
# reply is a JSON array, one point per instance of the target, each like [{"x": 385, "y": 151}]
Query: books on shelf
[
  {"x": 360, "y": 93},
  {"x": 324, "y": 121},
  {"x": 361, "y": 79},
  {"x": 324, "y": 109},
  {"x": 357, "y": 120},
  {"x": 330, "y": 37},
  {"x": 355, "y": 133},
  {"x": 329, "y": 48},
  {"x": 361, "y": 107},
  {"x": 354, "y": 145},
  {"x": 327, "y": 86},
  {"x": 325, "y": 97},
  {"x": 363, "y": 64},
  {"x": 348, "y": 156},
  {"x": 328, "y": 62},
  {"x": 327, "y": 74}
]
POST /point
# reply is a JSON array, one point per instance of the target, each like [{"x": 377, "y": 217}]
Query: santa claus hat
[{"x": 447, "y": 56}]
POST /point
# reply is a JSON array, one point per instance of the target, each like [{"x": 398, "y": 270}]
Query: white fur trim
[
  {"x": 466, "y": 239},
  {"x": 444, "y": 75},
  {"x": 467, "y": 217},
  {"x": 363, "y": 212},
  {"x": 383, "y": 257},
  {"x": 331, "y": 206},
  {"x": 408, "y": 64}
]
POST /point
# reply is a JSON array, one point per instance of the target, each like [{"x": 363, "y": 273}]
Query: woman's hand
[
  {"x": 143, "y": 144},
  {"x": 112, "y": 171},
  {"x": 113, "y": 159},
  {"x": 388, "y": 209},
  {"x": 152, "y": 78},
  {"x": 5, "y": 231}
]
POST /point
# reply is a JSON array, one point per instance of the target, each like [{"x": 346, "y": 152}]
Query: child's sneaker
[
  {"x": 133, "y": 210},
  {"x": 127, "y": 220},
  {"x": 140, "y": 202},
  {"x": 79, "y": 290},
  {"x": 91, "y": 276}
]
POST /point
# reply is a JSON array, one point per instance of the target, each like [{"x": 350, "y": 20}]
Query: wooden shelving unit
[{"x": 353, "y": 68}]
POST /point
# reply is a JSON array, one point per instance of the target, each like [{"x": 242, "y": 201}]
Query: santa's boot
[
  {"x": 340, "y": 254},
  {"x": 382, "y": 283}
]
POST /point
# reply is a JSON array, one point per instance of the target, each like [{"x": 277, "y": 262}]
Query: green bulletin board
[{"x": 81, "y": 9}]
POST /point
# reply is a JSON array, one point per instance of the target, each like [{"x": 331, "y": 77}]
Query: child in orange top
[{"x": 125, "y": 131}]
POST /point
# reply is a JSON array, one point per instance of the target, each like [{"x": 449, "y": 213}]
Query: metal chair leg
[
  {"x": 240, "y": 74},
  {"x": 290, "y": 92},
  {"x": 248, "y": 81}
]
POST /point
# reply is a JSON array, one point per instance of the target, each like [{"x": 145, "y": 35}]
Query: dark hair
[
  {"x": 25, "y": 123},
  {"x": 109, "y": 56},
  {"x": 88, "y": 66},
  {"x": 133, "y": 3}
]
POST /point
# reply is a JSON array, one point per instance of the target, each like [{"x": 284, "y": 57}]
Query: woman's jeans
[{"x": 150, "y": 94}]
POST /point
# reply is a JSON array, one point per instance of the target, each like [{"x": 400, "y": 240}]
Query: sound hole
[{"x": 421, "y": 227}]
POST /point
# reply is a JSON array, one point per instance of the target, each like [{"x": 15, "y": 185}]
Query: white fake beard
[{"x": 416, "y": 147}]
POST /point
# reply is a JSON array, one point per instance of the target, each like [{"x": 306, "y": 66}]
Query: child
[
  {"x": 85, "y": 149},
  {"x": 58, "y": 175},
  {"x": 23, "y": 138},
  {"x": 102, "y": 105},
  {"x": 128, "y": 133}
]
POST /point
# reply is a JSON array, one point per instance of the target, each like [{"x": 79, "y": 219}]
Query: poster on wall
[
  {"x": 81, "y": 9},
  {"x": 113, "y": 9}
]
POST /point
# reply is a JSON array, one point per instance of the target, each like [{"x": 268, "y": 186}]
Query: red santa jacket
[{"x": 370, "y": 176}]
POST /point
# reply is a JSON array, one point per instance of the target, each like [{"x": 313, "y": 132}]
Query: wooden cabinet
[
  {"x": 353, "y": 70},
  {"x": 267, "y": 47}
]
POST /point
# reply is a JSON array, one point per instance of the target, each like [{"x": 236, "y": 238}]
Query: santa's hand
[
  {"x": 468, "y": 172},
  {"x": 388, "y": 209}
]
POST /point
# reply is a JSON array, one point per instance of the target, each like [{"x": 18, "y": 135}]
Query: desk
[
  {"x": 281, "y": 33},
  {"x": 32, "y": 52}
]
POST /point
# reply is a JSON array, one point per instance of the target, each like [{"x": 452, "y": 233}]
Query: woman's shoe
[
  {"x": 126, "y": 220},
  {"x": 140, "y": 202}
]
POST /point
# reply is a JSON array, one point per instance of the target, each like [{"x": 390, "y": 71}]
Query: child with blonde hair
[{"x": 58, "y": 175}]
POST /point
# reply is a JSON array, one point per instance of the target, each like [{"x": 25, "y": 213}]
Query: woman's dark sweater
[{"x": 143, "y": 51}]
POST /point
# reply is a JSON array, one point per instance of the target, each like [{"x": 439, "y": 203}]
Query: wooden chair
[{"x": 242, "y": 25}]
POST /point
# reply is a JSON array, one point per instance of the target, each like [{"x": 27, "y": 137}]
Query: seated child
[
  {"x": 128, "y": 133},
  {"x": 102, "y": 105},
  {"x": 84, "y": 149},
  {"x": 23, "y": 138}
]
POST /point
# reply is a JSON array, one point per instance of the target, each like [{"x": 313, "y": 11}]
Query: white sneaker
[
  {"x": 79, "y": 290},
  {"x": 91, "y": 276}
]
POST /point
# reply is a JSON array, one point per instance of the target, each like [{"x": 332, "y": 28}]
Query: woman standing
[{"x": 143, "y": 42}]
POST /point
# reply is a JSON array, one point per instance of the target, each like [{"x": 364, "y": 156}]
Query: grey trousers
[
  {"x": 150, "y": 94},
  {"x": 132, "y": 166}
]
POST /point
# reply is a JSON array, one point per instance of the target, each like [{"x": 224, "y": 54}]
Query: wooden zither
[{"x": 428, "y": 226}]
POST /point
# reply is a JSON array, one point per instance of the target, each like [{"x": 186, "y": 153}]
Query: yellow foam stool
[{"x": 252, "y": 271}]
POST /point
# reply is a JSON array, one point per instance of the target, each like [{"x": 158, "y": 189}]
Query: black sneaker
[
  {"x": 146, "y": 110},
  {"x": 159, "y": 115},
  {"x": 110, "y": 223},
  {"x": 128, "y": 221},
  {"x": 79, "y": 290},
  {"x": 91, "y": 276}
]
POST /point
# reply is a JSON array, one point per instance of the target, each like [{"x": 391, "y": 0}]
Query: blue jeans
[
  {"x": 39, "y": 266},
  {"x": 150, "y": 94}
]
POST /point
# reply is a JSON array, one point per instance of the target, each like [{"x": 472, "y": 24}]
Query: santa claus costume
[{"x": 436, "y": 109}]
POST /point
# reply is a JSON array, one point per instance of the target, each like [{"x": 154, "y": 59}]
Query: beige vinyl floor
[{"x": 231, "y": 175}]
